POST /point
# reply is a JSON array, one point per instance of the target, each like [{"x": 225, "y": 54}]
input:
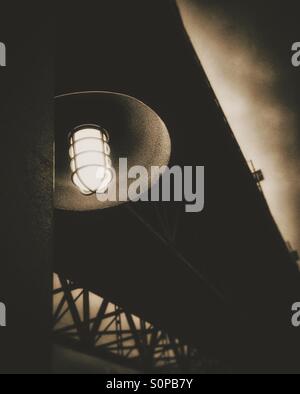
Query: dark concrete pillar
[{"x": 26, "y": 135}]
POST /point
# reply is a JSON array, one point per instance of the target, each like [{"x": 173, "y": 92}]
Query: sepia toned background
[{"x": 245, "y": 49}]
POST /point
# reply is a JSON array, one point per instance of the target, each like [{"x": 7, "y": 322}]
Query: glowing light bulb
[{"x": 91, "y": 163}]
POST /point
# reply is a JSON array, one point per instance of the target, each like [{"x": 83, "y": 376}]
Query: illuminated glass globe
[{"x": 91, "y": 163}]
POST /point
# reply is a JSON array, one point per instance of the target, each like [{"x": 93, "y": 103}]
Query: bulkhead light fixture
[
  {"x": 91, "y": 164},
  {"x": 93, "y": 131}
]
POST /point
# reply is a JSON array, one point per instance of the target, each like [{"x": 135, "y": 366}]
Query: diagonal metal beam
[
  {"x": 180, "y": 257},
  {"x": 100, "y": 317},
  {"x": 73, "y": 308}
]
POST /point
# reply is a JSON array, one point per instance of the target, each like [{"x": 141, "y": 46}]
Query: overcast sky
[{"x": 245, "y": 48}]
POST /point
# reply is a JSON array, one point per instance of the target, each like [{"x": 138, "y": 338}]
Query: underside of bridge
[
  {"x": 147, "y": 285},
  {"x": 88, "y": 324}
]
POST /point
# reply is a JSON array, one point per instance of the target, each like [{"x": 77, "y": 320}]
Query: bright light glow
[{"x": 91, "y": 164}]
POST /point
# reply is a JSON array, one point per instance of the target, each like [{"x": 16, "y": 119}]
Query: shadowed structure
[
  {"x": 222, "y": 280},
  {"x": 26, "y": 128}
]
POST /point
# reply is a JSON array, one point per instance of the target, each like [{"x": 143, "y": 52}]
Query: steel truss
[
  {"x": 94, "y": 325},
  {"x": 91, "y": 324}
]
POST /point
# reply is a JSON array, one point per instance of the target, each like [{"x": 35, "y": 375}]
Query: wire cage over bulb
[{"x": 90, "y": 156}]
